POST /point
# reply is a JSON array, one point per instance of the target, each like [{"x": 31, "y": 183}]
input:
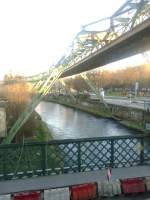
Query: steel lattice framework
[
  {"x": 98, "y": 34},
  {"x": 91, "y": 38}
]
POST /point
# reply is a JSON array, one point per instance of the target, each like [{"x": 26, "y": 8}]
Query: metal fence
[
  {"x": 147, "y": 105},
  {"x": 75, "y": 155}
]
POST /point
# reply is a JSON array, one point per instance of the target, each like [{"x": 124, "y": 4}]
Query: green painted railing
[{"x": 75, "y": 155}]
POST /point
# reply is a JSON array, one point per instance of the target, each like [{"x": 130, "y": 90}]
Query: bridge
[
  {"x": 64, "y": 160},
  {"x": 127, "y": 33},
  {"x": 131, "y": 43}
]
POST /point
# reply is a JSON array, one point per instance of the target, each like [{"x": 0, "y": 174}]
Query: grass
[
  {"x": 134, "y": 125},
  {"x": 113, "y": 93},
  {"x": 42, "y": 132},
  {"x": 91, "y": 110}
]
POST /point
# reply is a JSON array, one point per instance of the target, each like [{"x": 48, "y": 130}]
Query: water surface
[{"x": 69, "y": 123}]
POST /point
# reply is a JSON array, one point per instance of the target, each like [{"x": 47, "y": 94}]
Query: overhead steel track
[{"x": 125, "y": 33}]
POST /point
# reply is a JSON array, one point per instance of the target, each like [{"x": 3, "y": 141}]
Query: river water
[{"x": 68, "y": 123}]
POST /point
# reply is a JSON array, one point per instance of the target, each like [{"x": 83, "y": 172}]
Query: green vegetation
[
  {"x": 114, "y": 93},
  {"x": 42, "y": 132},
  {"x": 134, "y": 125},
  {"x": 30, "y": 160},
  {"x": 25, "y": 157}
]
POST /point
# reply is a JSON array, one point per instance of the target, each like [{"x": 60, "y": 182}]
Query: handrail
[
  {"x": 72, "y": 155},
  {"x": 67, "y": 141}
]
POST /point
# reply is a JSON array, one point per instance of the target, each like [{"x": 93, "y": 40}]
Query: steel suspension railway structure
[{"x": 125, "y": 33}]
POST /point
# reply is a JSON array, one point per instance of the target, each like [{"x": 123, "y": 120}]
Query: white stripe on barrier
[
  {"x": 5, "y": 197},
  {"x": 109, "y": 188},
  {"x": 57, "y": 194},
  {"x": 147, "y": 183}
]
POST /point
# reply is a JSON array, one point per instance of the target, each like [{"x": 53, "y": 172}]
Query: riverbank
[
  {"x": 97, "y": 113},
  {"x": 102, "y": 112},
  {"x": 41, "y": 131},
  {"x": 35, "y": 130}
]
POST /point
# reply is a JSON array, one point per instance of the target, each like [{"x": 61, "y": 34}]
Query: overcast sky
[{"x": 35, "y": 33}]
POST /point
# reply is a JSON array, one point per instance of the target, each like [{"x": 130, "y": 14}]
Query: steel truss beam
[
  {"x": 98, "y": 34},
  {"x": 96, "y": 92}
]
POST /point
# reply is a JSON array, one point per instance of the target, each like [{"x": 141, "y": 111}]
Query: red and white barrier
[
  {"x": 109, "y": 188},
  {"x": 133, "y": 186},
  {"x": 27, "y": 196},
  {"x": 84, "y": 192},
  {"x": 5, "y": 197},
  {"x": 87, "y": 191},
  {"x": 147, "y": 183},
  {"x": 57, "y": 194}
]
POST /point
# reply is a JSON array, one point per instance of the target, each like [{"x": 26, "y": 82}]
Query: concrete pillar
[{"x": 2, "y": 120}]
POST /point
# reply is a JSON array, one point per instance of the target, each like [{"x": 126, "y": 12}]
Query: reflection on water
[{"x": 68, "y": 123}]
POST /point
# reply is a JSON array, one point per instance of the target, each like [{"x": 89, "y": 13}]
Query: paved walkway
[
  {"x": 57, "y": 181},
  {"x": 131, "y": 197},
  {"x": 137, "y": 103}
]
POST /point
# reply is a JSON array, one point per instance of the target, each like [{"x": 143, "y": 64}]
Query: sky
[{"x": 34, "y": 34}]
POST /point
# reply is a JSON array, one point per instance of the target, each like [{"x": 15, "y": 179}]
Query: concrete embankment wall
[{"x": 124, "y": 113}]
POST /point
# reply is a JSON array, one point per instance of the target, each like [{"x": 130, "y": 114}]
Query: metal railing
[{"x": 73, "y": 155}]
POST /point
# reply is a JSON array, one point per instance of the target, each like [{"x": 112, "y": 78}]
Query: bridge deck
[
  {"x": 57, "y": 181},
  {"x": 130, "y": 43}
]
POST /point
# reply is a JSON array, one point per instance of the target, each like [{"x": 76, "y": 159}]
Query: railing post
[
  {"x": 44, "y": 158},
  {"x": 79, "y": 157},
  {"x": 112, "y": 154},
  {"x": 141, "y": 151},
  {"x": 4, "y": 163}
]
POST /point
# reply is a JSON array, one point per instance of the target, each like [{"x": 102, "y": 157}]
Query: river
[{"x": 68, "y": 123}]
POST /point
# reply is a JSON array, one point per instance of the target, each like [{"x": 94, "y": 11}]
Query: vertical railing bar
[
  {"x": 112, "y": 153},
  {"x": 4, "y": 164},
  {"x": 44, "y": 158},
  {"x": 79, "y": 157},
  {"x": 141, "y": 151}
]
